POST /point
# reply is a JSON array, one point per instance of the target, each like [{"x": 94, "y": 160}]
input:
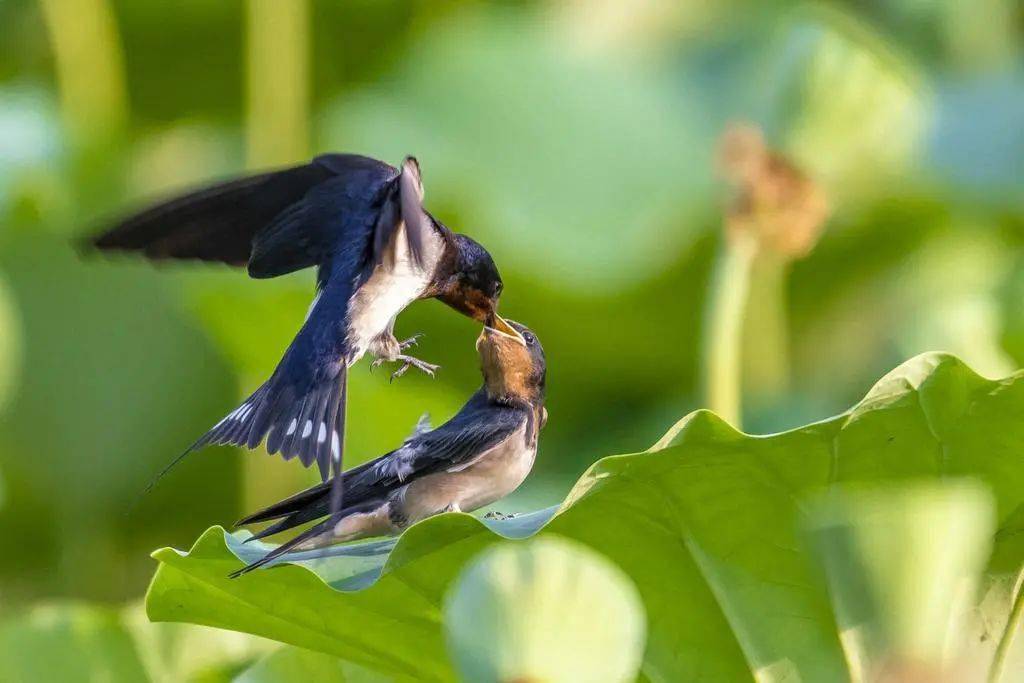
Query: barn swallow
[
  {"x": 362, "y": 223},
  {"x": 480, "y": 455}
]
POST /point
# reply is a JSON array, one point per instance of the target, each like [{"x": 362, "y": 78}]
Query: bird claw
[
  {"x": 500, "y": 516},
  {"x": 410, "y": 362},
  {"x": 410, "y": 342}
]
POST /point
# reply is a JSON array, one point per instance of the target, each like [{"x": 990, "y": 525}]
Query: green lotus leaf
[{"x": 709, "y": 525}]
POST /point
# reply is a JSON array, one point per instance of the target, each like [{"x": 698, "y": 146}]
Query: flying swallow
[
  {"x": 480, "y": 455},
  {"x": 361, "y": 222}
]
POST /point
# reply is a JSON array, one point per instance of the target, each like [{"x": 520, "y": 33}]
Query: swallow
[
  {"x": 362, "y": 224},
  {"x": 480, "y": 455}
]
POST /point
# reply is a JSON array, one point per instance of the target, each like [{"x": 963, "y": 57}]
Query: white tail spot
[
  {"x": 291, "y": 427},
  {"x": 307, "y": 428},
  {"x": 335, "y": 445},
  {"x": 321, "y": 436}
]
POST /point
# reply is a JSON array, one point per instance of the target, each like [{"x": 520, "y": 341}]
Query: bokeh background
[{"x": 575, "y": 139}]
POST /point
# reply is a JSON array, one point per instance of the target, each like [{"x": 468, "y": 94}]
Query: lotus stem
[
  {"x": 727, "y": 303},
  {"x": 89, "y": 67},
  {"x": 766, "y": 364},
  {"x": 1013, "y": 624},
  {"x": 278, "y": 81},
  {"x": 277, "y": 121}
]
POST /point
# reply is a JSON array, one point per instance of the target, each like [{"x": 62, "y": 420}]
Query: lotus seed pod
[{"x": 775, "y": 203}]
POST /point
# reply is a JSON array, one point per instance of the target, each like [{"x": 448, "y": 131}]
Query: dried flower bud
[{"x": 774, "y": 201}]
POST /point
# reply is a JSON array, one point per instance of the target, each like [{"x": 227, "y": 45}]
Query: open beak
[{"x": 498, "y": 326}]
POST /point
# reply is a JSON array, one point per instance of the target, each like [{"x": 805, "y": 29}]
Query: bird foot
[
  {"x": 410, "y": 362},
  {"x": 454, "y": 507},
  {"x": 500, "y": 516},
  {"x": 410, "y": 342}
]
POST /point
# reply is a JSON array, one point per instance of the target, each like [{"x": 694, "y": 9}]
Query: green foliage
[
  {"x": 295, "y": 665},
  {"x": 545, "y": 610},
  {"x": 70, "y": 425},
  {"x": 708, "y": 524},
  {"x": 77, "y": 644},
  {"x": 574, "y": 140},
  {"x": 902, "y": 564},
  {"x": 74, "y": 642}
]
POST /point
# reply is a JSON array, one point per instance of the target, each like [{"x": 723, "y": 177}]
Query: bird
[
  {"x": 376, "y": 249},
  {"x": 483, "y": 453}
]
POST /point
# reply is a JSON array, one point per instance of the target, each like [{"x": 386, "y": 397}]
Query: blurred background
[{"x": 576, "y": 139}]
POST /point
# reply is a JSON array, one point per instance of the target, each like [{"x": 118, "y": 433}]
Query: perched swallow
[
  {"x": 361, "y": 222},
  {"x": 480, "y": 455}
]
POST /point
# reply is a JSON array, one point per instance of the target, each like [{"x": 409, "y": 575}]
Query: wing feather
[{"x": 229, "y": 222}]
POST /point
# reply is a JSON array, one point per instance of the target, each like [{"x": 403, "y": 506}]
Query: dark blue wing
[
  {"x": 337, "y": 212},
  {"x": 266, "y": 213},
  {"x": 300, "y": 410},
  {"x": 309, "y": 231},
  {"x": 477, "y": 427}
]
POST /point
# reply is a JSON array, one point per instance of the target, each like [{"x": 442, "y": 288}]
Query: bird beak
[{"x": 497, "y": 326}]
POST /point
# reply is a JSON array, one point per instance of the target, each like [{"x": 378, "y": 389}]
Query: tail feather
[
  {"x": 335, "y": 411},
  {"x": 300, "y": 515},
  {"x": 312, "y": 427},
  {"x": 270, "y": 413},
  {"x": 222, "y": 433},
  {"x": 337, "y": 451},
  {"x": 277, "y": 433},
  {"x": 299, "y": 501},
  {"x": 291, "y": 521},
  {"x": 285, "y": 547},
  {"x": 300, "y": 430},
  {"x": 266, "y": 414}
]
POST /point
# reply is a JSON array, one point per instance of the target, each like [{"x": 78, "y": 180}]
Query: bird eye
[
  {"x": 530, "y": 339},
  {"x": 498, "y": 287}
]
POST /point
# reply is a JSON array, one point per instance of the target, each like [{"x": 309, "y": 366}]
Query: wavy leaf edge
[{"x": 911, "y": 374}]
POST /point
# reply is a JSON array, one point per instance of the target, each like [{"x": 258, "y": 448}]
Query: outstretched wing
[
  {"x": 263, "y": 213},
  {"x": 300, "y": 410}
]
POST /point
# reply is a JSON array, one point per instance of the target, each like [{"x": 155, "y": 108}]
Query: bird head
[
  {"x": 475, "y": 285},
  {"x": 512, "y": 361}
]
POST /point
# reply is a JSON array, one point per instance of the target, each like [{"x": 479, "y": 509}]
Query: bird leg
[
  {"x": 410, "y": 342},
  {"x": 407, "y": 362},
  {"x": 388, "y": 350},
  {"x": 500, "y": 516}
]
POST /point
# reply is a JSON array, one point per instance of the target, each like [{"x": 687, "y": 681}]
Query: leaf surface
[{"x": 707, "y": 523}]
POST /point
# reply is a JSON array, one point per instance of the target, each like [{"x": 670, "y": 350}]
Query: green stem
[
  {"x": 89, "y": 67},
  {"x": 277, "y": 120},
  {"x": 724, "y": 328},
  {"x": 1013, "y": 624},
  {"x": 278, "y": 81},
  {"x": 766, "y": 340}
]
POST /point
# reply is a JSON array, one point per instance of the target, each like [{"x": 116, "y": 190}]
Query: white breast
[
  {"x": 490, "y": 476},
  {"x": 394, "y": 284},
  {"x": 496, "y": 473}
]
